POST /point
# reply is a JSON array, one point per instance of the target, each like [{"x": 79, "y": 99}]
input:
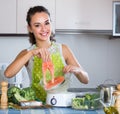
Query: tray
[{"x": 18, "y": 107}]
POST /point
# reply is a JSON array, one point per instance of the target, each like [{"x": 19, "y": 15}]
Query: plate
[{"x": 30, "y": 103}]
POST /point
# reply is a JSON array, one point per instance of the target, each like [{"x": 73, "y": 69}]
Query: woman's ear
[{"x": 29, "y": 29}]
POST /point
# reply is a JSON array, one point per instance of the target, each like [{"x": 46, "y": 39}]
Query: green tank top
[{"x": 37, "y": 77}]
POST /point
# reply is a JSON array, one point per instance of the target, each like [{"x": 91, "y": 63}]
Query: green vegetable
[
  {"x": 11, "y": 92},
  {"x": 88, "y": 96},
  {"x": 28, "y": 93},
  {"x": 79, "y": 103},
  {"x": 17, "y": 98},
  {"x": 15, "y": 94},
  {"x": 86, "y": 102}
]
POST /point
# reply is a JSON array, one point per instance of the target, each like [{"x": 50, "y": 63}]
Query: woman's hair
[{"x": 30, "y": 13}]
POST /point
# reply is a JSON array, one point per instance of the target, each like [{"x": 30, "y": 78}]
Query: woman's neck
[{"x": 44, "y": 44}]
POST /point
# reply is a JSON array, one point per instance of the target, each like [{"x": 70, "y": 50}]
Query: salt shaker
[{"x": 4, "y": 98}]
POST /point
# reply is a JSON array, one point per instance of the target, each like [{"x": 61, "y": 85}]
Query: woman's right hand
[{"x": 42, "y": 53}]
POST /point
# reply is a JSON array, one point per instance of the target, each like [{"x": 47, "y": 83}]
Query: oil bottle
[{"x": 116, "y": 95}]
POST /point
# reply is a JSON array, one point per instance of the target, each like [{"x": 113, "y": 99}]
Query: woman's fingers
[
  {"x": 67, "y": 69},
  {"x": 42, "y": 53},
  {"x": 35, "y": 52},
  {"x": 45, "y": 55},
  {"x": 70, "y": 68}
]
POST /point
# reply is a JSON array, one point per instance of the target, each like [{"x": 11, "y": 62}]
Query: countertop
[{"x": 54, "y": 110}]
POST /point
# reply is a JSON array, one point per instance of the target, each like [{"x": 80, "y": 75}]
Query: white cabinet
[
  {"x": 84, "y": 14},
  {"x": 13, "y": 14},
  {"x": 7, "y": 16},
  {"x": 65, "y": 14},
  {"x": 24, "y": 5}
]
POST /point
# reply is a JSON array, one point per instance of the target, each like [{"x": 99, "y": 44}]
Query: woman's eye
[
  {"x": 37, "y": 25},
  {"x": 47, "y": 23}
]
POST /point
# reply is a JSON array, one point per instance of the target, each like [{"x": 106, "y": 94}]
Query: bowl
[{"x": 87, "y": 102}]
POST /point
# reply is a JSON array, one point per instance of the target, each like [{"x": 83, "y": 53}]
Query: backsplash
[
  {"x": 20, "y": 78},
  {"x": 98, "y": 55}
]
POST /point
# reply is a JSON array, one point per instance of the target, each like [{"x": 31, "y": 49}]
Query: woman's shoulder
[
  {"x": 60, "y": 45},
  {"x": 65, "y": 47},
  {"x": 25, "y": 51},
  {"x": 66, "y": 51}
]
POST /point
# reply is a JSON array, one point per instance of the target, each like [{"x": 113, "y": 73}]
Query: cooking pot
[{"x": 106, "y": 91}]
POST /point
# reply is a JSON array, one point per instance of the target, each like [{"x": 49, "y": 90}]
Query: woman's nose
[{"x": 43, "y": 27}]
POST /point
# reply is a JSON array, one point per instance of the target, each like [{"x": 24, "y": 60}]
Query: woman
[{"x": 44, "y": 49}]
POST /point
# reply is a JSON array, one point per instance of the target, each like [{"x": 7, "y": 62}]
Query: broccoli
[
  {"x": 15, "y": 94},
  {"x": 28, "y": 93},
  {"x": 10, "y": 93},
  {"x": 88, "y": 96},
  {"x": 17, "y": 98},
  {"x": 13, "y": 90},
  {"x": 86, "y": 102}
]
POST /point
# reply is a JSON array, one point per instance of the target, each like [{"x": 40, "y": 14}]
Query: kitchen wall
[{"x": 99, "y": 55}]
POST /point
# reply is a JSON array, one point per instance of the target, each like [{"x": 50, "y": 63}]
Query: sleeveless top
[{"x": 34, "y": 69}]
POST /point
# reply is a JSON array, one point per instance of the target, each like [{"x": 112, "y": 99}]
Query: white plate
[{"x": 30, "y": 103}]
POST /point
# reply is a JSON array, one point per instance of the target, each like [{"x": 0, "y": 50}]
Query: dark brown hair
[{"x": 30, "y": 13}]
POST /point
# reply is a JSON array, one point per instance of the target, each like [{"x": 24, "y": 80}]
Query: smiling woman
[
  {"x": 41, "y": 27},
  {"x": 45, "y": 49}
]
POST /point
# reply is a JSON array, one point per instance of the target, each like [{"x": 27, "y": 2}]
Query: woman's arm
[
  {"x": 73, "y": 65},
  {"x": 18, "y": 63},
  {"x": 23, "y": 58}
]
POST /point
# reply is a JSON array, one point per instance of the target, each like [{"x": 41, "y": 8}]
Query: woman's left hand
[
  {"x": 71, "y": 69},
  {"x": 78, "y": 71}
]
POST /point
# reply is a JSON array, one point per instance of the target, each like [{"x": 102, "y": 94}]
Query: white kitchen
[{"x": 86, "y": 26}]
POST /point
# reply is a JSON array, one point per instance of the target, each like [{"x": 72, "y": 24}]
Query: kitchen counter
[{"x": 50, "y": 111}]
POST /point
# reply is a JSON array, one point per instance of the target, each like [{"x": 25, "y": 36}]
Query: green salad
[{"x": 89, "y": 101}]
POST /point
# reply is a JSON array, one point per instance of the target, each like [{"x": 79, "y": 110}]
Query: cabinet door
[
  {"x": 84, "y": 14},
  {"x": 7, "y": 16},
  {"x": 24, "y": 5}
]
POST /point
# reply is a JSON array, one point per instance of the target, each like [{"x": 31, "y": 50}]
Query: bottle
[
  {"x": 116, "y": 95},
  {"x": 110, "y": 110},
  {"x": 4, "y": 98}
]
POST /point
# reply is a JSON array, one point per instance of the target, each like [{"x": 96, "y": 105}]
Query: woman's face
[{"x": 40, "y": 26}]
